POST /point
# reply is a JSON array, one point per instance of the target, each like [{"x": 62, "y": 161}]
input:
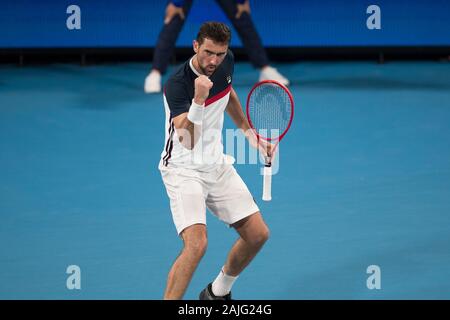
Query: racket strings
[{"x": 270, "y": 110}]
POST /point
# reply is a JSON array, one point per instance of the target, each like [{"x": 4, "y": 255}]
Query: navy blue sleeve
[{"x": 177, "y": 97}]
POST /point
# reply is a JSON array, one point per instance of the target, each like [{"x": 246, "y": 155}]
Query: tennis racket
[{"x": 270, "y": 110}]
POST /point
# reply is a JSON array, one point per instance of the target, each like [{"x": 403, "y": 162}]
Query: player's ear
[{"x": 195, "y": 45}]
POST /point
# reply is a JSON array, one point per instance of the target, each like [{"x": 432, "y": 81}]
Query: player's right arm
[{"x": 188, "y": 124}]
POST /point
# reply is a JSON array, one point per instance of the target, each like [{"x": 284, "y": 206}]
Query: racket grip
[{"x": 267, "y": 184}]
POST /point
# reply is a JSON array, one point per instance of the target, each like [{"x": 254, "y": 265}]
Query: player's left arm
[{"x": 234, "y": 110}]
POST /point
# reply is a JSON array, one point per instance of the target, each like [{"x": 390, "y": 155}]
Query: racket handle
[{"x": 267, "y": 184}]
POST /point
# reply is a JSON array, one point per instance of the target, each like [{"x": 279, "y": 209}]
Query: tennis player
[{"x": 195, "y": 171}]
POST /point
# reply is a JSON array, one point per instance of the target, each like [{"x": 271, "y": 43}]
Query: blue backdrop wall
[{"x": 136, "y": 23}]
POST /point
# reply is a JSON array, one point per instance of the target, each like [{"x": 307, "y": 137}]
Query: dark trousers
[{"x": 244, "y": 26}]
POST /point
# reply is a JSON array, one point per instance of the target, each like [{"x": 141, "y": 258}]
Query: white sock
[{"x": 223, "y": 283}]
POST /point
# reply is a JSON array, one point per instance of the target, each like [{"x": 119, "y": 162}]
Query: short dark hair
[{"x": 215, "y": 31}]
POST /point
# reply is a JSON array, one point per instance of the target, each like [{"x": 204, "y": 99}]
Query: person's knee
[
  {"x": 196, "y": 245},
  {"x": 260, "y": 237}
]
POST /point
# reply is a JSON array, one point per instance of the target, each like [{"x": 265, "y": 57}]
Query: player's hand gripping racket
[{"x": 270, "y": 110}]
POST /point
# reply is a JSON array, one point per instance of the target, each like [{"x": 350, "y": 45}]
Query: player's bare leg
[
  {"x": 253, "y": 233},
  {"x": 195, "y": 243}
]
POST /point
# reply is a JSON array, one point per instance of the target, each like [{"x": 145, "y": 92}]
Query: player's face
[{"x": 210, "y": 55}]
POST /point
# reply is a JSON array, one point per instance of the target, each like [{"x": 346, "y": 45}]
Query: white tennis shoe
[
  {"x": 270, "y": 73},
  {"x": 153, "y": 82}
]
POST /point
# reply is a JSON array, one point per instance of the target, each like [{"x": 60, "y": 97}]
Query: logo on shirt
[{"x": 228, "y": 79}]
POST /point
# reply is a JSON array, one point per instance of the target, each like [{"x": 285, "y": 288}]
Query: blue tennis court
[{"x": 364, "y": 180}]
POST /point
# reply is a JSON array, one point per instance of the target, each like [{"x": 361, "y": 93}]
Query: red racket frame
[{"x": 250, "y": 120}]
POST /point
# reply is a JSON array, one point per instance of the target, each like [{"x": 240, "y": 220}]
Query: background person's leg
[
  {"x": 247, "y": 32},
  {"x": 164, "y": 49},
  {"x": 252, "y": 42}
]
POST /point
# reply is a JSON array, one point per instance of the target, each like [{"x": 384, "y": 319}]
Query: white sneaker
[
  {"x": 153, "y": 82},
  {"x": 270, "y": 73}
]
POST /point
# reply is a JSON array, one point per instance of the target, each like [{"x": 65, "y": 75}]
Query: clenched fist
[{"x": 202, "y": 87}]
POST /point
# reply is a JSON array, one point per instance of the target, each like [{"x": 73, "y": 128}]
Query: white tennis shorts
[{"x": 222, "y": 191}]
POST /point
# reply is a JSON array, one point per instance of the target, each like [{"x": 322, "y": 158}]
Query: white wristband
[{"x": 195, "y": 114}]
